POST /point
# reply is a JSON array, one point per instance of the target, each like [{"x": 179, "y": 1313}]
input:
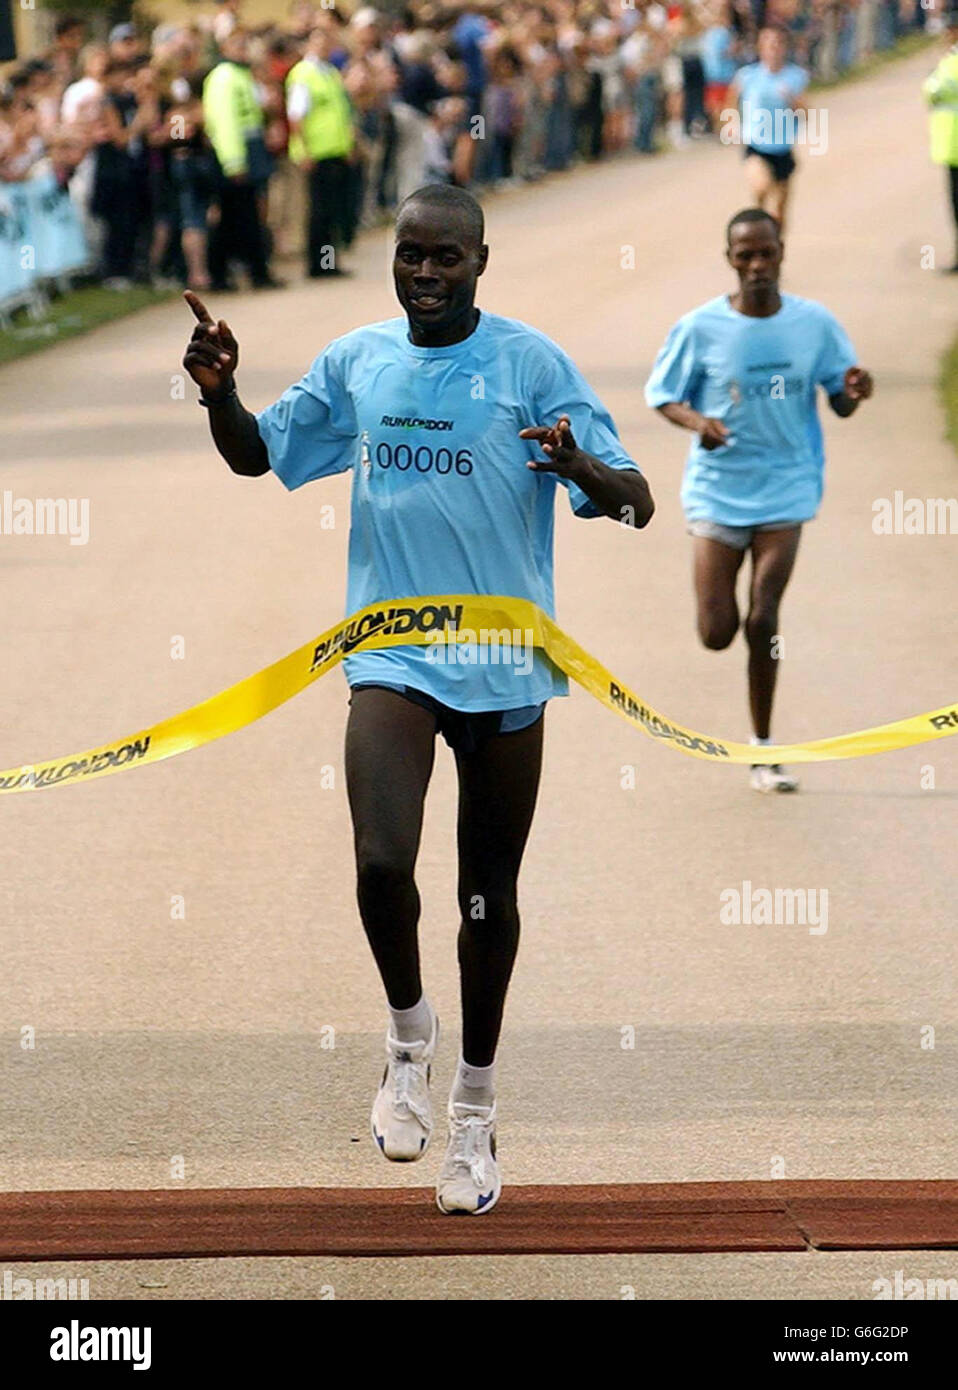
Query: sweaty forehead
[{"x": 434, "y": 226}]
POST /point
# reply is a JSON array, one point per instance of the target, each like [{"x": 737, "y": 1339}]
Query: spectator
[
  {"x": 321, "y": 142},
  {"x": 226, "y": 22},
  {"x": 941, "y": 94},
  {"x": 584, "y": 86},
  {"x": 123, "y": 43},
  {"x": 176, "y": 139},
  {"x": 69, "y": 36},
  {"x": 43, "y": 90},
  {"x": 502, "y": 106},
  {"x": 608, "y": 62},
  {"x": 83, "y": 99},
  {"x": 234, "y": 123},
  {"x": 112, "y": 199},
  {"x": 192, "y": 174},
  {"x": 371, "y": 79},
  {"x": 642, "y": 55},
  {"x": 25, "y": 147},
  {"x": 720, "y": 58},
  {"x": 418, "y": 89}
]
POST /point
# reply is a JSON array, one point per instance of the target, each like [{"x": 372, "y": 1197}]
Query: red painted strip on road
[{"x": 532, "y": 1220}]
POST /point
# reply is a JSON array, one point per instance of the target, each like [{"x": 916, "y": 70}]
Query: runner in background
[
  {"x": 770, "y": 96},
  {"x": 742, "y": 372}
]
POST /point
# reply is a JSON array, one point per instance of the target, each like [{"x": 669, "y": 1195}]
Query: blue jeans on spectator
[
  {"x": 648, "y": 91},
  {"x": 886, "y": 24},
  {"x": 693, "y": 85},
  {"x": 847, "y": 41},
  {"x": 559, "y": 133}
]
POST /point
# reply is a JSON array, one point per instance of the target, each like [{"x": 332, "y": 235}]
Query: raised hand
[
  {"x": 212, "y": 353},
  {"x": 557, "y": 443}
]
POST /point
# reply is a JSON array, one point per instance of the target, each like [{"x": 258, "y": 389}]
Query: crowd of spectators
[{"x": 195, "y": 150}]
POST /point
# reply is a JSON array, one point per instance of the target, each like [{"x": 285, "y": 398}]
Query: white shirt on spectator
[{"x": 81, "y": 99}]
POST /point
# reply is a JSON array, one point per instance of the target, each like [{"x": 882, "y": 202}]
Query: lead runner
[{"x": 438, "y": 415}]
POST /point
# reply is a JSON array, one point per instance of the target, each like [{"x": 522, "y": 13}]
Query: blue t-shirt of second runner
[
  {"x": 760, "y": 377},
  {"x": 442, "y": 499},
  {"x": 768, "y": 119}
]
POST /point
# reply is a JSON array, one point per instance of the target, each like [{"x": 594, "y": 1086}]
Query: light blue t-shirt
[
  {"x": 442, "y": 500},
  {"x": 717, "y": 61},
  {"x": 759, "y": 376},
  {"x": 765, "y": 97}
]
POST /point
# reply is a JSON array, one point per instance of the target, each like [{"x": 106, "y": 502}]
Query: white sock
[
  {"x": 412, "y": 1025},
  {"x": 760, "y": 743},
  {"x": 474, "y": 1085}
]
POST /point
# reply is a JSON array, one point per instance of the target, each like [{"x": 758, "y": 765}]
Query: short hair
[
  {"x": 451, "y": 200},
  {"x": 67, "y": 22},
  {"x": 752, "y": 215}
]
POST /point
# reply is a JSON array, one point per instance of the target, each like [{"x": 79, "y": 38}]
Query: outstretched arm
[
  {"x": 621, "y": 493},
  {"x": 211, "y": 359}
]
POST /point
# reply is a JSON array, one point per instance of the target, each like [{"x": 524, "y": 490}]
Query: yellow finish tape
[{"x": 486, "y": 622}]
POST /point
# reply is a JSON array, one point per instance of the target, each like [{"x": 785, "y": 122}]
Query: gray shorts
[{"x": 738, "y": 537}]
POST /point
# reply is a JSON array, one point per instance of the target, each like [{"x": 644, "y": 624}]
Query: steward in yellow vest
[
  {"x": 321, "y": 143},
  {"x": 941, "y": 94},
  {"x": 325, "y": 129}
]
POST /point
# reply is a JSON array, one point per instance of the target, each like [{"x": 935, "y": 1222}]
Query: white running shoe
[
  {"x": 772, "y": 777},
  {"x": 469, "y": 1177},
  {"x": 401, "y": 1121}
]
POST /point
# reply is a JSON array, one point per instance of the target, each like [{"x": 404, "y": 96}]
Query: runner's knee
[
  {"x": 717, "y": 630},
  {"x": 761, "y": 627},
  {"x": 382, "y": 877}
]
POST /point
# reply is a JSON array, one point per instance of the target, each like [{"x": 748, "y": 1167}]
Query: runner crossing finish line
[
  {"x": 436, "y": 620},
  {"x": 459, "y": 428}
]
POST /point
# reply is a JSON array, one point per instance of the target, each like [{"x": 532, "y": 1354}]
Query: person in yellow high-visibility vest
[
  {"x": 233, "y": 120},
  {"x": 941, "y": 93},
  {"x": 321, "y": 142}
]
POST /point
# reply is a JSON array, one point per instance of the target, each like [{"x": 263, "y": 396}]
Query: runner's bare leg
[
  {"x": 497, "y": 796},
  {"x": 715, "y": 568},
  {"x": 773, "y": 558},
  {"x": 390, "y": 746}
]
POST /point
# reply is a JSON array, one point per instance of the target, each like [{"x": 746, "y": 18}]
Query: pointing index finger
[{"x": 203, "y": 314}]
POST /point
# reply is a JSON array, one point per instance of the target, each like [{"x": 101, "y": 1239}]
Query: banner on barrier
[{"x": 40, "y": 235}]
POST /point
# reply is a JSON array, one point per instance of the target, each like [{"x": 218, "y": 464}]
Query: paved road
[{"x": 758, "y": 1050}]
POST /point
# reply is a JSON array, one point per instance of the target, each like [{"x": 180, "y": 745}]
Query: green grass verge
[
  {"x": 948, "y": 386},
  {"x": 72, "y": 313},
  {"x": 904, "y": 48}
]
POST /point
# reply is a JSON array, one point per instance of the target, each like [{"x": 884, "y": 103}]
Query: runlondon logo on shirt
[
  {"x": 45, "y": 516},
  {"x": 414, "y": 422}
]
